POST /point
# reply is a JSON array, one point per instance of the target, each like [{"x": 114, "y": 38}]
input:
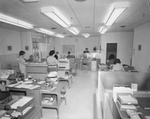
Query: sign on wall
[{"x": 68, "y": 48}]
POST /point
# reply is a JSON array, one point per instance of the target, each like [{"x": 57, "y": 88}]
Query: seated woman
[
  {"x": 117, "y": 65},
  {"x": 110, "y": 60},
  {"x": 5, "y": 95}
]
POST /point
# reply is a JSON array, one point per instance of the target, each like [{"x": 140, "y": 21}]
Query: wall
[
  {"x": 124, "y": 42},
  {"x": 18, "y": 40},
  {"x": 79, "y": 43},
  {"x": 10, "y": 38},
  {"x": 141, "y": 59}
]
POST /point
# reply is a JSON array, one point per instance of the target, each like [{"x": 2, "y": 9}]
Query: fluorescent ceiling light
[
  {"x": 118, "y": 9},
  {"x": 28, "y": 1},
  {"x": 59, "y": 36},
  {"x": 86, "y": 35},
  {"x": 55, "y": 15},
  {"x": 45, "y": 31},
  {"x": 73, "y": 30},
  {"x": 103, "y": 29},
  {"x": 14, "y": 21}
]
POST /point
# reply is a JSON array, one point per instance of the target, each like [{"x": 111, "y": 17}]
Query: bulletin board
[{"x": 68, "y": 48}]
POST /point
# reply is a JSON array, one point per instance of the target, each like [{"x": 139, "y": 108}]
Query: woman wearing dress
[{"x": 22, "y": 63}]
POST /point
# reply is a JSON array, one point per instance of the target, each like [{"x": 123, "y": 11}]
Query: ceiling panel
[{"x": 87, "y": 16}]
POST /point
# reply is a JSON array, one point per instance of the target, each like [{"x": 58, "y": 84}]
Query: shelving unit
[
  {"x": 51, "y": 99},
  {"x": 23, "y": 107}
]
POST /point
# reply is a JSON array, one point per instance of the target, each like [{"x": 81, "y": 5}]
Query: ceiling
[{"x": 86, "y": 15}]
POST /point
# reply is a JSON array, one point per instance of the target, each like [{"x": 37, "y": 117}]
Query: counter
[{"x": 37, "y": 69}]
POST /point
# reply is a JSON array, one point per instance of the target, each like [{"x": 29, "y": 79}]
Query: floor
[{"x": 79, "y": 98}]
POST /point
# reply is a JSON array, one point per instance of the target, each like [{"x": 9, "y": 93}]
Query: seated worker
[
  {"x": 68, "y": 56},
  {"x": 5, "y": 95},
  {"x": 86, "y": 50},
  {"x": 117, "y": 65},
  {"x": 51, "y": 60},
  {"x": 111, "y": 60}
]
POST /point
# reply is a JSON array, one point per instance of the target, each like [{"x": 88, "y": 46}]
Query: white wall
[
  {"x": 124, "y": 42},
  {"x": 79, "y": 43},
  {"x": 9, "y": 38},
  {"x": 141, "y": 59}
]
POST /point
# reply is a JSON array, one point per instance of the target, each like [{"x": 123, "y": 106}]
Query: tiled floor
[{"x": 79, "y": 98}]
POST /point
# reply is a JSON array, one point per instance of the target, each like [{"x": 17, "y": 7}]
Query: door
[{"x": 111, "y": 49}]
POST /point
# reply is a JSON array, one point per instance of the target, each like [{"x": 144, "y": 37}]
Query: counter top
[{"x": 37, "y": 64}]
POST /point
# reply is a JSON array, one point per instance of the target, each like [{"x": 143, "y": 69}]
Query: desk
[
  {"x": 121, "y": 114},
  {"x": 46, "y": 92},
  {"x": 24, "y": 91},
  {"x": 106, "y": 81},
  {"x": 78, "y": 61}
]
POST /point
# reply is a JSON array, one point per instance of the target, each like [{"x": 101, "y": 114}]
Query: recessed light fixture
[
  {"x": 13, "y": 21},
  {"x": 80, "y": 0},
  {"x": 53, "y": 28},
  {"x": 29, "y": 1},
  {"x": 87, "y": 27},
  {"x": 123, "y": 26}
]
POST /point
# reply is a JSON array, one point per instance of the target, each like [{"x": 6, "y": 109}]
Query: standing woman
[
  {"x": 22, "y": 63},
  {"x": 52, "y": 62}
]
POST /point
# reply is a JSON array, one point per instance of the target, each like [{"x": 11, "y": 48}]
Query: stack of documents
[
  {"x": 21, "y": 102},
  {"x": 123, "y": 90},
  {"x": 127, "y": 99}
]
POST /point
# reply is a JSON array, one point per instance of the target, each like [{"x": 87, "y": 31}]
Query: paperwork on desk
[
  {"x": 24, "y": 86},
  {"x": 127, "y": 99},
  {"x": 41, "y": 82},
  {"x": 13, "y": 85},
  {"x": 122, "y": 90},
  {"x": 34, "y": 87},
  {"x": 21, "y": 102},
  {"x": 125, "y": 107}
]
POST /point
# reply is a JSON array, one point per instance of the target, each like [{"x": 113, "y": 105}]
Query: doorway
[{"x": 111, "y": 48}]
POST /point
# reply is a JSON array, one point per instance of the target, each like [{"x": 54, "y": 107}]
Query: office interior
[{"x": 129, "y": 32}]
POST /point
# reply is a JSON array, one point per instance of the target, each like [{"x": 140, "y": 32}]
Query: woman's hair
[
  {"x": 111, "y": 56},
  {"x": 21, "y": 53},
  {"x": 68, "y": 52},
  {"x": 52, "y": 52},
  {"x": 117, "y": 61}
]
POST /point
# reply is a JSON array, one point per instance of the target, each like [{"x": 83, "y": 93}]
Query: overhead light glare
[
  {"x": 55, "y": 15},
  {"x": 28, "y": 1},
  {"x": 14, "y": 21},
  {"x": 118, "y": 9},
  {"x": 103, "y": 29},
  {"x": 86, "y": 35},
  {"x": 59, "y": 36},
  {"x": 73, "y": 30},
  {"x": 45, "y": 31}
]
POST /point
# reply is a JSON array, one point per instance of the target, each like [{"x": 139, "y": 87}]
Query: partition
[{"x": 106, "y": 80}]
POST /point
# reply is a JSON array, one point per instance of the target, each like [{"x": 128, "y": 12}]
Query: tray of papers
[{"x": 127, "y": 99}]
